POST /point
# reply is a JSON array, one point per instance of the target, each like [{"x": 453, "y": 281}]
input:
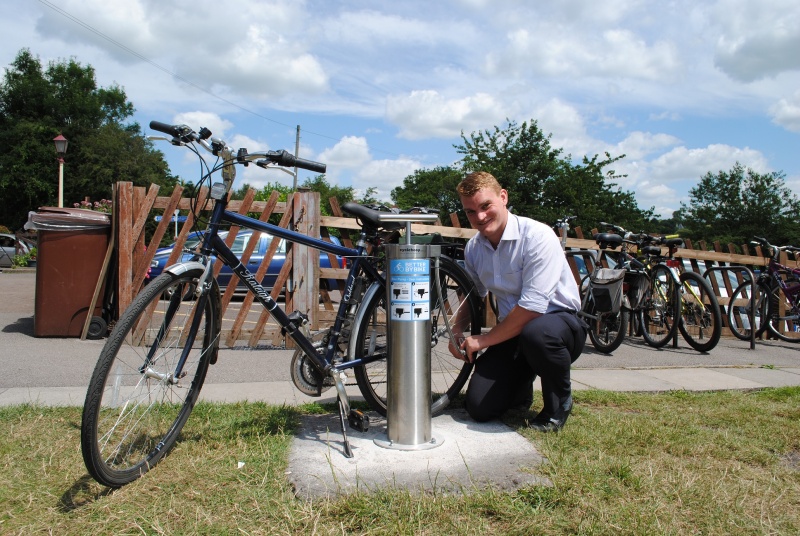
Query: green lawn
[{"x": 675, "y": 463}]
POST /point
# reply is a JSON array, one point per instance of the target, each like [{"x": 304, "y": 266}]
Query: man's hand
[{"x": 467, "y": 348}]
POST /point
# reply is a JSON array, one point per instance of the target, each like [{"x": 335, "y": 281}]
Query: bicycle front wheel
[
  {"x": 448, "y": 374},
  {"x": 606, "y": 330},
  {"x": 701, "y": 321},
  {"x": 148, "y": 377},
  {"x": 659, "y": 317},
  {"x": 739, "y": 311}
]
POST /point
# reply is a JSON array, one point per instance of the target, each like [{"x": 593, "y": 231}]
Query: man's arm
[{"x": 511, "y": 326}]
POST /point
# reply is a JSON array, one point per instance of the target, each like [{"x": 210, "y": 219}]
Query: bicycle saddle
[
  {"x": 651, "y": 250},
  {"x": 673, "y": 242},
  {"x": 370, "y": 217},
  {"x": 608, "y": 240}
]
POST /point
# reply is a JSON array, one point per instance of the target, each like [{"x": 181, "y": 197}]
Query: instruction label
[{"x": 409, "y": 291}]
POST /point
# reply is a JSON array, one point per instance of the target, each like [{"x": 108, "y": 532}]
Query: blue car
[{"x": 239, "y": 244}]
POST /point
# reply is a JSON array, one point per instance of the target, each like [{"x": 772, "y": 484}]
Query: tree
[
  {"x": 541, "y": 182},
  {"x": 37, "y": 104},
  {"x": 733, "y": 206},
  {"x": 433, "y": 188}
]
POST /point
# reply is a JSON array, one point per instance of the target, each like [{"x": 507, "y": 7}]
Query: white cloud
[
  {"x": 428, "y": 114},
  {"x": 198, "y": 119},
  {"x": 757, "y": 39},
  {"x": 786, "y": 113},
  {"x": 556, "y": 51},
  {"x": 384, "y": 175},
  {"x": 683, "y": 163},
  {"x": 350, "y": 153}
]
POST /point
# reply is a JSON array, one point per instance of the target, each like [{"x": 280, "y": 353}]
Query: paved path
[{"x": 56, "y": 371}]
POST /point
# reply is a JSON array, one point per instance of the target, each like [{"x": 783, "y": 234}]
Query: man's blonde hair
[{"x": 477, "y": 180}]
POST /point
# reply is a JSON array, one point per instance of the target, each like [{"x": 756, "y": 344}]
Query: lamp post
[{"x": 61, "y": 148}]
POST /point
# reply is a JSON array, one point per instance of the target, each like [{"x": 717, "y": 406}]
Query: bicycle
[
  {"x": 695, "y": 303},
  {"x": 659, "y": 299},
  {"x": 777, "y": 299},
  {"x": 151, "y": 370},
  {"x": 604, "y": 304}
]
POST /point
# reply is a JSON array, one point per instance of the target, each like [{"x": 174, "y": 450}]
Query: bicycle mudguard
[
  {"x": 183, "y": 267},
  {"x": 374, "y": 288}
]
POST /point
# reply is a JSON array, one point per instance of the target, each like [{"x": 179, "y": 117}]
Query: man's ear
[{"x": 504, "y": 196}]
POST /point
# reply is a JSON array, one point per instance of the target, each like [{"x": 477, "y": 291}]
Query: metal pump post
[{"x": 408, "y": 298}]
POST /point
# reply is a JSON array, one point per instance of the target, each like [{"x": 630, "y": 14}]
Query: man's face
[{"x": 486, "y": 211}]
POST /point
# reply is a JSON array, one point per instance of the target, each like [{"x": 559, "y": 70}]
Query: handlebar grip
[
  {"x": 172, "y": 130},
  {"x": 287, "y": 159}
]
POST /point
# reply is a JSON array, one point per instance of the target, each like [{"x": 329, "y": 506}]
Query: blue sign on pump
[{"x": 410, "y": 289}]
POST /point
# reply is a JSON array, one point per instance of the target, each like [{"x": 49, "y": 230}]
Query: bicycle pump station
[{"x": 408, "y": 299}]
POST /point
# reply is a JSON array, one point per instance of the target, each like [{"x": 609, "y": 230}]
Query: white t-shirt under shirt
[{"x": 528, "y": 269}]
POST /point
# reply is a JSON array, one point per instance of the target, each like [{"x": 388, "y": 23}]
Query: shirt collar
[{"x": 511, "y": 232}]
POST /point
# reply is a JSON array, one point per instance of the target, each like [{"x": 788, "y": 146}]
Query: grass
[{"x": 673, "y": 463}]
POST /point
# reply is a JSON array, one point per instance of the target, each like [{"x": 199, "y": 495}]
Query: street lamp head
[{"x": 61, "y": 145}]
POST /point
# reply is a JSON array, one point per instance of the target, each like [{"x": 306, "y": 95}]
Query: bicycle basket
[
  {"x": 637, "y": 284},
  {"x": 605, "y": 284}
]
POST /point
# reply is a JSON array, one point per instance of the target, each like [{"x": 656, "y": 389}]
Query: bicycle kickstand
[{"x": 357, "y": 419}]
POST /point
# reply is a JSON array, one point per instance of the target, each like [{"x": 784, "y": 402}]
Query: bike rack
[
  {"x": 752, "y": 312},
  {"x": 408, "y": 298}
]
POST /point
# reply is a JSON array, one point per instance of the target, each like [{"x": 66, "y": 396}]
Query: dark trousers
[{"x": 547, "y": 347}]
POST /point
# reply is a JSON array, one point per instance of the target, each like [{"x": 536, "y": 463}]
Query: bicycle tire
[
  {"x": 448, "y": 374},
  {"x": 606, "y": 330},
  {"x": 774, "y": 318},
  {"x": 701, "y": 320},
  {"x": 739, "y": 311},
  {"x": 659, "y": 314},
  {"x": 132, "y": 418}
]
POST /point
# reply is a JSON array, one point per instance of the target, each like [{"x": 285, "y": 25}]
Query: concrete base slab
[{"x": 472, "y": 456}]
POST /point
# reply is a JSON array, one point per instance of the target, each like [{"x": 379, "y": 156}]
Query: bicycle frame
[{"x": 212, "y": 243}]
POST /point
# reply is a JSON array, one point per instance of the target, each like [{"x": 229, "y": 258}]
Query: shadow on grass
[{"x": 82, "y": 493}]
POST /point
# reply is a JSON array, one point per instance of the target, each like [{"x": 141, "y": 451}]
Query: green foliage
[
  {"x": 23, "y": 259},
  {"x": 733, "y": 206},
  {"x": 36, "y": 104},
  {"x": 434, "y": 188}
]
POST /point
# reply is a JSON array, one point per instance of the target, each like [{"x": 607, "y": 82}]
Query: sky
[{"x": 380, "y": 88}]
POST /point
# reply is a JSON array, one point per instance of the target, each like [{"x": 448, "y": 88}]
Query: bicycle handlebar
[{"x": 182, "y": 134}]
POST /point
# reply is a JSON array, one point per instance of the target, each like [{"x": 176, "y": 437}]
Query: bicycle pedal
[{"x": 358, "y": 420}]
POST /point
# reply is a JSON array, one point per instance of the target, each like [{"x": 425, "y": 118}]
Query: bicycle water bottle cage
[{"x": 608, "y": 240}]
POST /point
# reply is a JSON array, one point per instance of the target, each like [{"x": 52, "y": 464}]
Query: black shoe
[{"x": 546, "y": 423}]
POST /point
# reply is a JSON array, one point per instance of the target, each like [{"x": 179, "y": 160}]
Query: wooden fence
[{"x": 299, "y": 278}]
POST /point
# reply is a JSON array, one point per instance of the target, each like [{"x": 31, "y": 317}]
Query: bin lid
[{"x": 66, "y": 219}]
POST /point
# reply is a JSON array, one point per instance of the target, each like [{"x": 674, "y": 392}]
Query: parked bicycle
[
  {"x": 777, "y": 299},
  {"x": 152, "y": 368},
  {"x": 686, "y": 296},
  {"x": 652, "y": 294}
]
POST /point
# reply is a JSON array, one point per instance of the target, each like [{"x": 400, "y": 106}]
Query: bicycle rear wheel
[
  {"x": 782, "y": 321},
  {"x": 136, "y": 405},
  {"x": 659, "y": 314},
  {"x": 739, "y": 311},
  {"x": 701, "y": 320},
  {"x": 448, "y": 374}
]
